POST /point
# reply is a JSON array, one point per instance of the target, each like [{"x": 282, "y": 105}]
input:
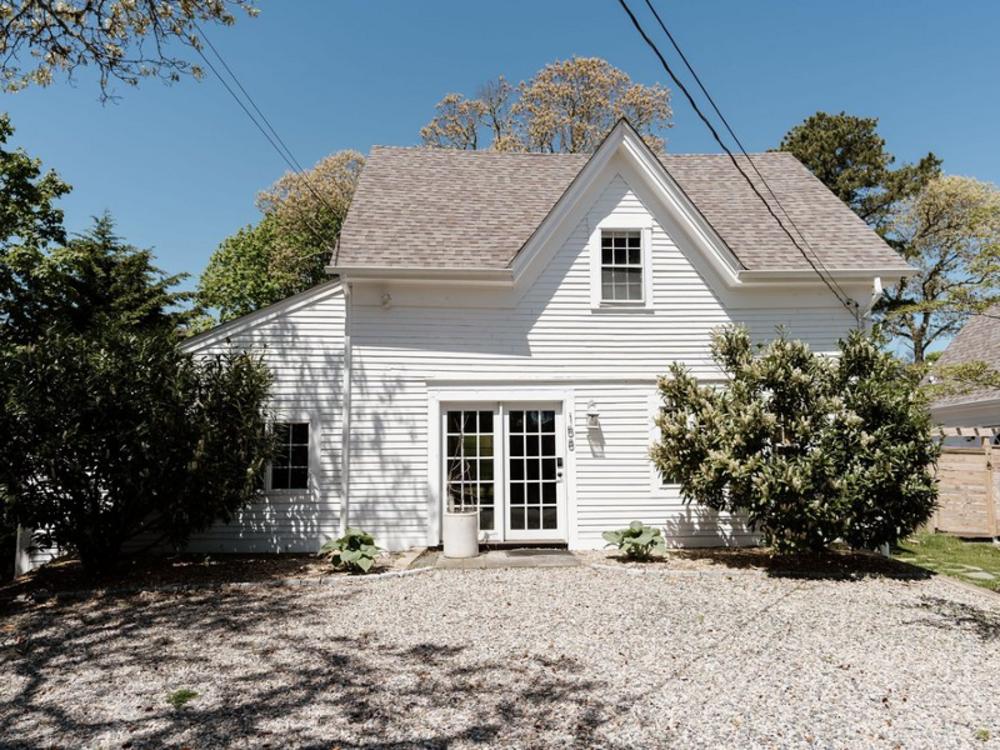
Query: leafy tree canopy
[
  {"x": 569, "y": 105},
  {"x": 950, "y": 232},
  {"x": 123, "y": 39},
  {"x": 289, "y": 249},
  {"x": 812, "y": 449},
  {"x": 849, "y": 156}
]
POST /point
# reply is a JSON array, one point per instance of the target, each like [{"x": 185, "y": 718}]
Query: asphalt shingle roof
[
  {"x": 978, "y": 341},
  {"x": 440, "y": 208}
]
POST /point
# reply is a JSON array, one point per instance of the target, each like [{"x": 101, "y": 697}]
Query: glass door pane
[
  {"x": 533, "y": 471},
  {"x": 469, "y": 463}
]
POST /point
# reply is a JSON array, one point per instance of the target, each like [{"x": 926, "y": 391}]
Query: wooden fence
[{"x": 968, "y": 485}]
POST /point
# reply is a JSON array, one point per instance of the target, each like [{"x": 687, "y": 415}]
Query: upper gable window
[{"x": 621, "y": 266}]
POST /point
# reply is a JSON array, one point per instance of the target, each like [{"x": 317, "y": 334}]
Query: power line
[
  {"x": 288, "y": 158},
  {"x": 847, "y": 303},
  {"x": 739, "y": 143}
]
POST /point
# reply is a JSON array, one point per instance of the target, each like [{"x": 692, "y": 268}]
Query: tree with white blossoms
[
  {"x": 568, "y": 106},
  {"x": 811, "y": 449},
  {"x": 125, "y": 40}
]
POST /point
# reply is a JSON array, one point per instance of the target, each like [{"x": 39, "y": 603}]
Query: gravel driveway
[{"x": 514, "y": 658}]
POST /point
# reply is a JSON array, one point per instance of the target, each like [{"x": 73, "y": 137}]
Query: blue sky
[{"x": 178, "y": 166}]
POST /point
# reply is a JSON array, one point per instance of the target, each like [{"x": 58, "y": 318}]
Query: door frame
[{"x": 469, "y": 393}]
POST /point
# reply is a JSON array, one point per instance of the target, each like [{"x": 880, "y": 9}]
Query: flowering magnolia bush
[{"x": 811, "y": 449}]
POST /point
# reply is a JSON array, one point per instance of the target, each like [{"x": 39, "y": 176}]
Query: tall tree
[
  {"x": 289, "y": 249},
  {"x": 849, "y": 156},
  {"x": 950, "y": 232},
  {"x": 123, "y": 39},
  {"x": 568, "y": 106}
]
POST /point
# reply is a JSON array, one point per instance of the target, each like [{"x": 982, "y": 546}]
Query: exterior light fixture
[{"x": 593, "y": 416}]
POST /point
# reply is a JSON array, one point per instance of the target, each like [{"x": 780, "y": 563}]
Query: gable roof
[
  {"x": 450, "y": 209},
  {"x": 978, "y": 341}
]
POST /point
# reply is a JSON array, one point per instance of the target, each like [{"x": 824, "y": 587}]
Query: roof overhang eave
[
  {"x": 809, "y": 276},
  {"x": 492, "y": 276}
]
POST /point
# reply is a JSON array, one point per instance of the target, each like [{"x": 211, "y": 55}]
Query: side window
[
  {"x": 621, "y": 266},
  {"x": 290, "y": 467}
]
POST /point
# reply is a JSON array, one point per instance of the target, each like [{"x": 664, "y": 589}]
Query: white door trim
[{"x": 478, "y": 392}]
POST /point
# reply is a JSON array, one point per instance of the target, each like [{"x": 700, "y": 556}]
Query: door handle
[{"x": 559, "y": 467}]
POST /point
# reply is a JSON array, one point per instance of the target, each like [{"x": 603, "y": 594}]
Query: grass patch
[
  {"x": 178, "y": 698},
  {"x": 951, "y": 556}
]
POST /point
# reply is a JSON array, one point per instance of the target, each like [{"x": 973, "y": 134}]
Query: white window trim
[
  {"x": 621, "y": 224},
  {"x": 315, "y": 441}
]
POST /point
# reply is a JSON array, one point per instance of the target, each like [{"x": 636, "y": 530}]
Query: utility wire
[
  {"x": 847, "y": 303},
  {"x": 725, "y": 122},
  {"x": 288, "y": 158}
]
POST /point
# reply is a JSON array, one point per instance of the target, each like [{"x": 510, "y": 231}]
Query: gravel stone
[{"x": 521, "y": 658}]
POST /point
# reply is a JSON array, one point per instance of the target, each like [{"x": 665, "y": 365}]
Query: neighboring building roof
[
  {"x": 443, "y": 208},
  {"x": 978, "y": 341}
]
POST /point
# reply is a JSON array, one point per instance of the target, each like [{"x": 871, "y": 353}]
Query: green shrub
[
  {"x": 810, "y": 448},
  {"x": 355, "y": 551},
  {"x": 638, "y": 542}
]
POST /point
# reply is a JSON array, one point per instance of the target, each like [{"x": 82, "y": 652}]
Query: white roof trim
[
  {"x": 807, "y": 275},
  {"x": 264, "y": 314},
  {"x": 623, "y": 138},
  {"x": 424, "y": 273}
]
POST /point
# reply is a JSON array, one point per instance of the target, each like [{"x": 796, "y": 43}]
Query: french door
[{"x": 508, "y": 460}]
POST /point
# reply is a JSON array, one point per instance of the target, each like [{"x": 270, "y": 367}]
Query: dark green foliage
[
  {"x": 180, "y": 698},
  {"x": 848, "y": 155},
  {"x": 355, "y": 551},
  {"x": 637, "y": 541},
  {"x": 111, "y": 436},
  {"x": 812, "y": 449}
]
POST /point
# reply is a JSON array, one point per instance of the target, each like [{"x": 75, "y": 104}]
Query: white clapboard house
[{"x": 494, "y": 326}]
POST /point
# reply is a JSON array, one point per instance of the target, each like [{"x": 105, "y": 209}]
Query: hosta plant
[
  {"x": 355, "y": 551},
  {"x": 637, "y": 541}
]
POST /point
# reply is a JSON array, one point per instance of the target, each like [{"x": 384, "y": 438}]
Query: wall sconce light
[
  {"x": 593, "y": 416},
  {"x": 386, "y": 301}
]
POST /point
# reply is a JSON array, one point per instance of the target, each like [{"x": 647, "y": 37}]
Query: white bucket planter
[{"x": 460, "y": 532}]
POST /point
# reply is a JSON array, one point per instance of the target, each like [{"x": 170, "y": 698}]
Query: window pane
[
  {"x": 532, "y": 422},
  {"x": 298, "y": 479},
  {"x": 486, "y": 494},
  {"x": 531, "y": 445},
  {"x": 549, "y": 493},
  {"x": 485, "y": 445},
  {"x": 532, "y": 520},
  {"x": 454, "y": 445},
  {"x": 300, "y": 455},
  {"x": 548, "y": 421},
  {"x": 454, "y": 469},
  {"x": 634, "y": 239},
  {"x": 548, "y": 468},
  {"x": 607, "y": 255},
  {"x": 517, "y": 469},
  {"x": 517, "y": 494},
  {"x": 517, "y": 421},
  {"x": 633, "y": 256},
  {"x": 532, "y": 466},
  {"x": 517, "y": 518},
  {"x": 516, "y": 445},
  {"x": 300, "y": 433},
  {"x": 279, "y": 478},
  {"x": 470, "y": 470},
  {"x": 486, "y": 470},
  {"x": 548, "y": 518},
  {"x": 469, "y": 421},
  {"x": 469, "y": 445},
  {"x": 549, "y": 445},
  {"x": 532, "y": 493},
  {"x": 455, "y": 421},
  {"x": 486, "y": 421},
  {"x": 486, "y": 519}
]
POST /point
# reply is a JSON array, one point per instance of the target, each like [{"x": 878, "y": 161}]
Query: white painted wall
[
  {"x": 302, "y": 341},
  {"x": 549, "y": 333}
]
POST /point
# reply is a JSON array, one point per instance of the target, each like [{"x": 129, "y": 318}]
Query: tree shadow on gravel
[
  {"x": 302, "y": 688},
  {"x": 948, "y": 615},
  {"x": 837, "y": 565}
]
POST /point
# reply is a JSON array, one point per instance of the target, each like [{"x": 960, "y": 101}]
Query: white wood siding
[
  {"x": 433, "y": 334},
  {"x": 303, "y": 345}
]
